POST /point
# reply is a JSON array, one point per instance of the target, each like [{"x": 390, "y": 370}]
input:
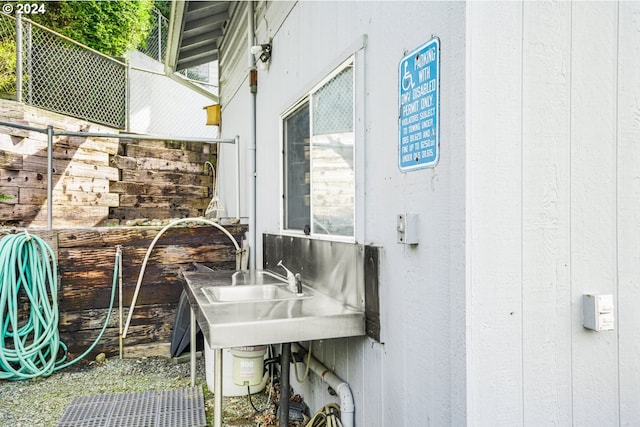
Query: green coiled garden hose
[{"x": 30, "y": 345}]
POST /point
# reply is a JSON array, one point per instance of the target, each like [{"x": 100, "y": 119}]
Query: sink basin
[
  {"x": 255, "y": 277},
  {"x": 248, "y": 293},
  {"x": 259, "y": 309}
]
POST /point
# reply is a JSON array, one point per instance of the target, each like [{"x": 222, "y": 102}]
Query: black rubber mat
[{"x": 167, "y": 408}]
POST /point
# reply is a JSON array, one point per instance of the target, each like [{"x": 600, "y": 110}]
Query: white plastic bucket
[
  {"x": 228, "y": 386},
  {"x": 248, "y": 365}
]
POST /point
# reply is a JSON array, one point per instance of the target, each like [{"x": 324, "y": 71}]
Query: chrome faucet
[{"x": 291, "y": 278}]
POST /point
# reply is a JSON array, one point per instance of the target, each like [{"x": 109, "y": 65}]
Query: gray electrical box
[
  {"x": 597, "y": 312},
  {"x": 407, "y": 228}
]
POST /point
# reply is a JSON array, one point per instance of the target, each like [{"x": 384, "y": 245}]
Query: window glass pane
[
  {"x": 333, "y": 105},
  {"x": 332, "y": 175},
  {"x": 296, "y": 170}
]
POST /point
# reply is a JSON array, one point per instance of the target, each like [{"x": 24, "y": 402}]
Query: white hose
[
  {"x": 306, "y": 370},
  {"x": 146, "y": 258}
]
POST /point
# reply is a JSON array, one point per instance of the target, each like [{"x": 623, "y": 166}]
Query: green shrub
[
  {"x": 7, "y": 66},
  {"x": 110, "y": 27}
]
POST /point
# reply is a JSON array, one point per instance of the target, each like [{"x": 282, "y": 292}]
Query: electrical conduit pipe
[
  {"x": 347, "y": 406},
  {"x": 252, "y": 134}
]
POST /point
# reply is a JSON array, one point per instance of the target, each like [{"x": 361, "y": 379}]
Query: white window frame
[
  {"x": 357, "y": 51},
  {"x": 306, "y": 99}
]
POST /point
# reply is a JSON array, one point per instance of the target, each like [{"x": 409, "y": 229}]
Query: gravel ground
[{"x": 42, "y": 401}]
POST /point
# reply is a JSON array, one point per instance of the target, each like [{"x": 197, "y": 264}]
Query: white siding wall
[
  {"x": 494, "y": 187},
  {"x": 628, "y": 210},
  {"x": 417, "y": 377},
  {"x": 535, "y": 201},
  {"x": 552, "y": 211}
]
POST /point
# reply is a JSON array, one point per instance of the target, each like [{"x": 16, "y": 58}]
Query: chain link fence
[
  {"x": 66, "y": 77},
  {"x": 7, "y": 57},
  {"x": 156, "y": 44},
  {"x": 63, "y": 76}
]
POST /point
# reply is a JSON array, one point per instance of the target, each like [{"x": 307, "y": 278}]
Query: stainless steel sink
[
  {"x": 255, "y": 277},
  {"x": 248, "y": 293},
  {"x": 259, "y": 309}
]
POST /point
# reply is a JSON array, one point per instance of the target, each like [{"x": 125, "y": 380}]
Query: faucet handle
[{"x": 289, "y": 273}]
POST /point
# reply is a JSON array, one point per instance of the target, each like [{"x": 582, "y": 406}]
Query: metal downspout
[
  {"x": 238, "y": 192},
  {"x": 252, "y": 139}
]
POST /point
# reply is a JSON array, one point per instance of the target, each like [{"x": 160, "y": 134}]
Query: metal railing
[{"x": 51, "y": 132}]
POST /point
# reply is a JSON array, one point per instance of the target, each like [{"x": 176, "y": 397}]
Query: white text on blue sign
[{"x": 418, "y": 124}]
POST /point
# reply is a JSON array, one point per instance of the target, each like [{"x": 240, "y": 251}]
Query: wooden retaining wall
[
  {"x": 102, "y": 187},
  {"x": 85, "y": 274},
  {"x": 81, "y": 170},
  {"x": 161, "y": 179},
  {"x": 96, "y": 181}
]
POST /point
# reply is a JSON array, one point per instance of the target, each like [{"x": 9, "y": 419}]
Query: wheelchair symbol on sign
[{"x": 407, "y": 79}]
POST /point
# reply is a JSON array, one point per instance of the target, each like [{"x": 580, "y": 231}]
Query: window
[{"x": 319, "y": 179}]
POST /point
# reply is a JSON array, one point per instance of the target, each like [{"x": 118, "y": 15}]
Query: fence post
[
  {"x": 19, "y": 57},
  {"x": 29, "y": 55},
  {"x": 159, "y": 35},
  {"x": 127, "y": 97},
  {"x": 49, "y": 177}
]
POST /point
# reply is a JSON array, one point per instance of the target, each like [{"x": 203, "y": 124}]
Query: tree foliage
[
  {"x": 110, "y": 27},
  {"x": 7, "y": 66},
  {"x": 164, "y": 6}
]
